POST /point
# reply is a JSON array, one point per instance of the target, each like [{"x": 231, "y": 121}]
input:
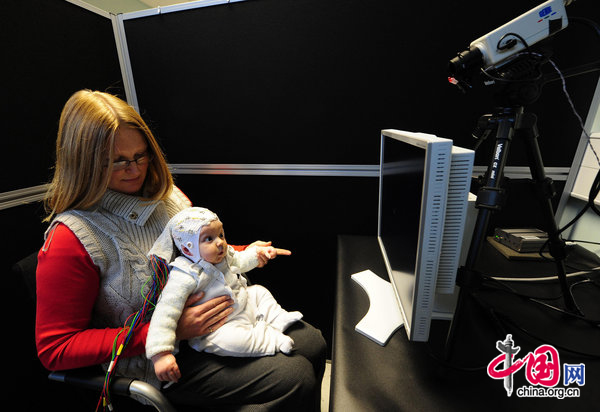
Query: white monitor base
[{"x": 383, "y": 317}]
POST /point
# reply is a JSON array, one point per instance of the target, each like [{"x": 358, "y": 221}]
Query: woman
[{"x": 111, "y": 196}]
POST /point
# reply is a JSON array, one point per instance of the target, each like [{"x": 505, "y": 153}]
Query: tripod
[{"x": 510, "y": 123}]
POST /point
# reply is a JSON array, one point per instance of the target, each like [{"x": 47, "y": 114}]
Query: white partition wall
[{"x": 586, "y": 165}]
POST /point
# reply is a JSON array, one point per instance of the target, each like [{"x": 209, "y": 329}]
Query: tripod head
[{"x": 518, "y": 83}]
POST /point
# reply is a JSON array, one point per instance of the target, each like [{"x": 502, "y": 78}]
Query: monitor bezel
[{"x": 417, "y": 307}]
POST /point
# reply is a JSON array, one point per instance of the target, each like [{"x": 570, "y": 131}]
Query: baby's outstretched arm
[{"x": 165, "y": 367}]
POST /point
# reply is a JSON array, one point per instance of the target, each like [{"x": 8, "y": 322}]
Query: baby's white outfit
[{"x": 256, "y": 326}]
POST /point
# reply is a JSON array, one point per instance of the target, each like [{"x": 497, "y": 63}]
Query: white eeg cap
[{"x": 183, "y": 230}]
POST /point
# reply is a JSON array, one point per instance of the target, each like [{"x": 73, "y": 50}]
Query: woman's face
[{"x": 130, "y": 144}]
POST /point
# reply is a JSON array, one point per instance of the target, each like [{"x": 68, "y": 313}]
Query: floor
[{"x": 325, "y": 388}]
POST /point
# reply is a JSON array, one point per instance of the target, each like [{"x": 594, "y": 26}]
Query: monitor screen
[{"x": 401, "y": 193}]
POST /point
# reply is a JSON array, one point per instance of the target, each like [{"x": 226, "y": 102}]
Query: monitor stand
[{"x": 383, "y": 317}]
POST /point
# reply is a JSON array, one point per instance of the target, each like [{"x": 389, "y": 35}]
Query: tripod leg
[
  {"x": 527, "y": 129},
  {"x": 489, "y": 196},
  {"x": 488, "y": 200}
]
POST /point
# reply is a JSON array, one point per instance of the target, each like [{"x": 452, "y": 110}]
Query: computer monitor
[{"x": 423, "y": 198}]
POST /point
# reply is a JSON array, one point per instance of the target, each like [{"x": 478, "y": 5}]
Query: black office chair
[{"x": 93, "y": 378}]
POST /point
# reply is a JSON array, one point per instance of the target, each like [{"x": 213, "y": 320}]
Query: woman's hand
[
  {"x": 266, "y": 252},
  {"x": 204, "y": 318}
]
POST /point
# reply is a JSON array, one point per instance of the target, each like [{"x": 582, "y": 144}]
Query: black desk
[{"x": 410, "y": 376}]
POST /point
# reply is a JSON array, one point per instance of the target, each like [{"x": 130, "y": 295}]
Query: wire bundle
[{"x": 160, "y": 272}]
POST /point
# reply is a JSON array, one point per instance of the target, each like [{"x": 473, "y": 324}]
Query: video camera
[{"x": 498, "y": 47}]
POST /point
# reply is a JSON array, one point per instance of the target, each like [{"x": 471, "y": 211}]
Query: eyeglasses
[{"x": 140, "y": 160}]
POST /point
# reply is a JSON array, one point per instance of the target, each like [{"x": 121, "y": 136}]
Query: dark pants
[{"x": 269, "y": 383}]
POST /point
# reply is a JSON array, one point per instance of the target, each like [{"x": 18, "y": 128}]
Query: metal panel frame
[
  {"x": 277, "y": 169},
  {"x": 124, "y": 60},
  {"x": 90, "y": 7},
  {"x": 175, "y": 7}
]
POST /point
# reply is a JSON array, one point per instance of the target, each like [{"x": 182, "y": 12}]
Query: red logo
[{"x": 542, "y": 370}]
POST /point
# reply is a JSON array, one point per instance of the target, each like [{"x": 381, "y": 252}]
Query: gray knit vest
[{"x": 117, "y": 233}]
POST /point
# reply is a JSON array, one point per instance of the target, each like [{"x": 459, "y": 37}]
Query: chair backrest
[{"x": 25, "y": 270}]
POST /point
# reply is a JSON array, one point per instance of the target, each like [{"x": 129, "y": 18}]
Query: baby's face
[{"x": 213, "y": 245}]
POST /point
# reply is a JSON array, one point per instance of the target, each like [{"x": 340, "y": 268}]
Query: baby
[{"x": 208, "y": 264}]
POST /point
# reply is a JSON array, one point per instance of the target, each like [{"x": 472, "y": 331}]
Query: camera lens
[{"x": 465, "y": 60}]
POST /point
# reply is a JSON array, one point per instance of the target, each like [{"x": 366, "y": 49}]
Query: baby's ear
[{"x": 186, "y": 251}]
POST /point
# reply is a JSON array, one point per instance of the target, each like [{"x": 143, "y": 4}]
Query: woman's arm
[{"x": 67, "y": 288}]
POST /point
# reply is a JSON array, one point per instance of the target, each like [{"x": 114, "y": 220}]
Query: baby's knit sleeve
[
  {"x": 163, "y": 325},
  {"x": 243, "y": 261}
]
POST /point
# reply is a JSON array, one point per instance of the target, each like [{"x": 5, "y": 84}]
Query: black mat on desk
[{"x": 410, "y": 376}]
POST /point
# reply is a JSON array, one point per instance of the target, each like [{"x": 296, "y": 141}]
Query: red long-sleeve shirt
[{"x": 67, "y": 287}]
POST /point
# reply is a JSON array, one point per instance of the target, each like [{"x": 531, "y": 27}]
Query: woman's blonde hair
[{"x": 85, "y": 143}]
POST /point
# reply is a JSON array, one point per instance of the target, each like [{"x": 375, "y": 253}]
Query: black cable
[
  {"x": 594, "y": 190},
  {"x": 503, "y": 286},
  {"x": 539, "y": 301},
  {"x": 510, "y": 44},
  {"x": 589, "y": 22},
  {"x": 500, "y": 320},
  {"x": 508, "y": 320}
]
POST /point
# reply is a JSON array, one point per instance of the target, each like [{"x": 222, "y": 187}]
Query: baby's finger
[{"x": 175, "y": 375}]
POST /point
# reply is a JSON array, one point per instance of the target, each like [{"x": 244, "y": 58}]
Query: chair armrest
[
  {"x": 94, "y": 380},
  {"x": 151, "y": 394}
]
